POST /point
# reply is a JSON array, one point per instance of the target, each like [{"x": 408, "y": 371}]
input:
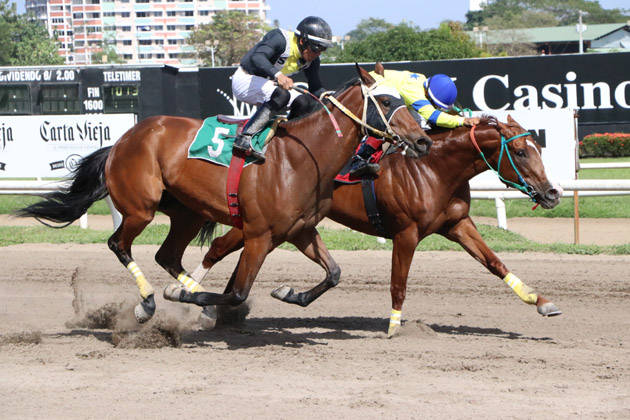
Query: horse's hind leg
[
  {"x": 120, "y": 243},
  {"x": 310, "y": 243}
]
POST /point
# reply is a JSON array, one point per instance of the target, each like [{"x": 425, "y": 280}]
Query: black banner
[{"x": 596, "y": 85}]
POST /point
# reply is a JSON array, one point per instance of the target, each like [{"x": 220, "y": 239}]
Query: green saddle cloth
[{"x": 215, "y": 138}]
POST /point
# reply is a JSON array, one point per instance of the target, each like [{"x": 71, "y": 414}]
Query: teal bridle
[{"x": 524, "y": 187}]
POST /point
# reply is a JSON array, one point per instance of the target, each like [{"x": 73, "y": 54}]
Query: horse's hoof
[
  {"x": 282, "y": 292},
  {"x": 549, "y": 309},
  {"x": 144, "y": 310},
  {"x": 393, "y": 330},
  {"x": 208, "y": 318},
  {"x": 173, "y": 292}
]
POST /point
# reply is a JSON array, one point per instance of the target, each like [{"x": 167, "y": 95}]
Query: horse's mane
[{"x": 304, "y": 105}]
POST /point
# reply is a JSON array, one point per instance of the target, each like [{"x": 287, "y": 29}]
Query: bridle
[
  {"x": 368, "y": 95},
  {"x": 524, "y": 187}
]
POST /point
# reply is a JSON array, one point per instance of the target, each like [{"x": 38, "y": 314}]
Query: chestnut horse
[
  {"x": 282, "y": 200},
  {"x": 416, "y": 198}
]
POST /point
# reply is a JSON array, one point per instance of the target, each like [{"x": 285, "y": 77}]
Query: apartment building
[{"x": 141, "y": 31}]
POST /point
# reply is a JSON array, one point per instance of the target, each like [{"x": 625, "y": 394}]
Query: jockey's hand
[
  {"x": 469, "y": 122},
  {"x": 285, "y": 82}
]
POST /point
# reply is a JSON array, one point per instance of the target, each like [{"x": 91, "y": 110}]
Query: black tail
[
  {"x": 206, "y": 233},
  {"x": 69, "y": 203}
]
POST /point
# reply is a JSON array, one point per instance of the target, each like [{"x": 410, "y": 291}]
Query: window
[
  {"x": 144, "y": 42},
  {"x": 141, "y": 14},
  {"x": 126, "y": 42},
  {"x": 123, "y": 98},
  {"x": 15, "y": 99},
  {"x": 189, "y": 13},
  {"x": 59, "y": 99}
]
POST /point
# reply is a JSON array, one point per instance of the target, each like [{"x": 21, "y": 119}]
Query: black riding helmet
[{"x": 315, "y": 32}]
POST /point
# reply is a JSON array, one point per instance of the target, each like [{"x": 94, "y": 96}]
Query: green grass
[
  {"x": 590, "y": 207},
  {"x": 336, "y": 239},
  {"x": 498, "y": 239}
]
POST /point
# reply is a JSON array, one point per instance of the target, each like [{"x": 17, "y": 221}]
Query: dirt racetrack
[{"x": 469, "y": 348}]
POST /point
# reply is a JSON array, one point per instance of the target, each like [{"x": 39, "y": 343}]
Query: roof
[{"x": 551, "y": 34}]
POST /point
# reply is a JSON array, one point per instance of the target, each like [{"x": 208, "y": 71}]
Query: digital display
[
  {"x": 15, "y": 99},
  {"x": 59, "y": 99},
  {"x": 121, "y": 98}
]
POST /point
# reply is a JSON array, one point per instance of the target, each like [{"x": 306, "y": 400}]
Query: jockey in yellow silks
[{"x": 431, "y": 98}]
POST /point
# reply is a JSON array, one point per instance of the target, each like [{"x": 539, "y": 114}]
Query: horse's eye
[
  {"x": 521, "y": 153},
  {"x": 386, "y": 102}
]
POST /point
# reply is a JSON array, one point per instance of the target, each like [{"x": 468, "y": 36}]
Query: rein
[
  {"x": 388, "y": 134},
  {"x": 524, "y": 187}
]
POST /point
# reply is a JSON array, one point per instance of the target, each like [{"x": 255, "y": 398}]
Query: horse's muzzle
[
  {"x": 551, "y": 196},
  {"x": 420, "y": 147}
]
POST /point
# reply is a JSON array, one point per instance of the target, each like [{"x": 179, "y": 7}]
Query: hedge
[{"x": 605, "y": 145}]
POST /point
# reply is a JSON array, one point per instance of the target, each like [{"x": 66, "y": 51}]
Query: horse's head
[
  {"x": 386, "y": 112},
  {"x": 520, "y": 163}
]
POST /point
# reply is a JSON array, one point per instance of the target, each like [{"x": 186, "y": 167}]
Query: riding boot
[
  {"x": 243, "y": 141},
  {"x": 361, "y": 161}
]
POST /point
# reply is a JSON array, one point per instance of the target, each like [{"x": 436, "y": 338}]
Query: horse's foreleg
[
  {"x": 310, "y": 244},
  {"x": 251, "y": 259},
  {"x": 405, "y": 244},
  {"x": 120, "y": 244},
  {"x": 219, "y": 249},
  {"x": 466, "y": 234}
]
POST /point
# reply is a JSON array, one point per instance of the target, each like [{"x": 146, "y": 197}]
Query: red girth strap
[{"x": 233, "y": 179}]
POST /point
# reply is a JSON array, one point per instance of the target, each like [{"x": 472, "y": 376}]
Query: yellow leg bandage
[
  {"x": 394, "y": 318},
  {"x": 145, "y": 287},
  {"x": 526, "y": 293},
  {"x": 189, "y": 283}
]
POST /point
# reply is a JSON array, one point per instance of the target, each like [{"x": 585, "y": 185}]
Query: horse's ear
[
  {"x": 379, "y": 69},
  {"x": 510, "y": 119},
  {"x": 364, "y": 75}
]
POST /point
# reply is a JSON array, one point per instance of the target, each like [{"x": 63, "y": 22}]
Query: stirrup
[
  {"x": 364, "y": 167},
  {"x": 243, "y": 144}
]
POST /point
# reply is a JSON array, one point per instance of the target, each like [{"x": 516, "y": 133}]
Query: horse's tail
[
  {"x": 71, "y": 202},
  {"x": 206, "y": 233}
]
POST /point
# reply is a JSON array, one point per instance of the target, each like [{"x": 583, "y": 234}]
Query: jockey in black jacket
[{"x": 262, "y": 78}]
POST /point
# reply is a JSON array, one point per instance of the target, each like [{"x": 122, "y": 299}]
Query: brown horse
[
  {"x": 417, "y": 198},
  {"x": 283, "y": 200}
]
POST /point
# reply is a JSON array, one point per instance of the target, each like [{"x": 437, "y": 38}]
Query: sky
[{"x": 344, "y": 15}]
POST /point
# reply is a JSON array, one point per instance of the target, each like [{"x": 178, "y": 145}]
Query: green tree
[
  {"x": 502, "y": 14},
  {"x": 367, "y": 27},
  {"x": 24, "y": 41},
  {"x": 231, "y": 34},
  {"x": 404, "y": 42}
]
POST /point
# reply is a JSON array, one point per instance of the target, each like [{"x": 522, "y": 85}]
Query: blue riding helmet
[{"x": 442, "y": 91}]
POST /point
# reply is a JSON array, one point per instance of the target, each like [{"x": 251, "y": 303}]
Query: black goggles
[{"x": 317, "y": 48}]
